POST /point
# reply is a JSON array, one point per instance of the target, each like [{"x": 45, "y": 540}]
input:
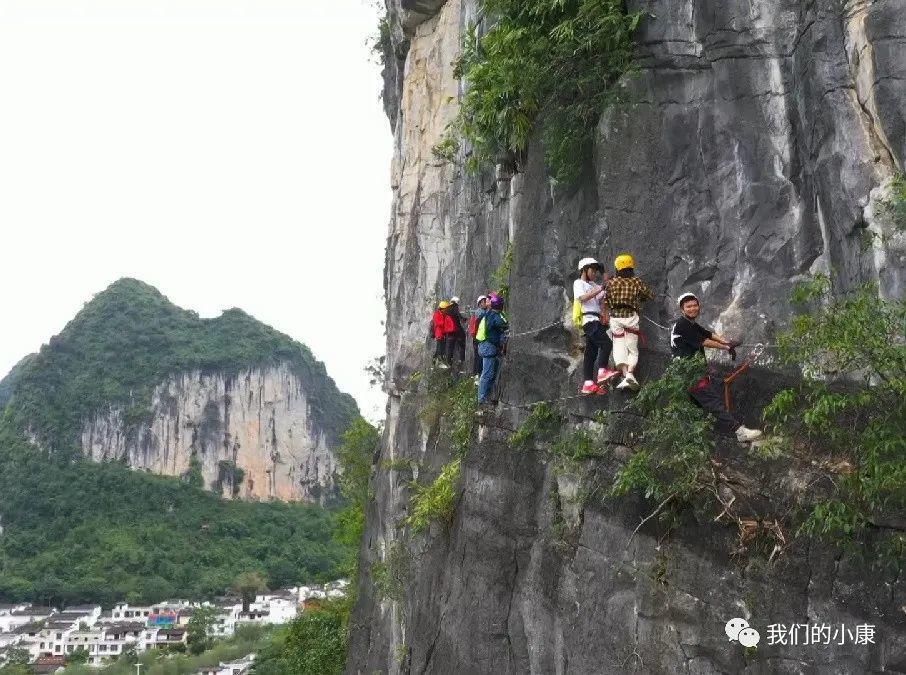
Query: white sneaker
[
  {"x": 624, "y": 383},
  {"x": 634, "y": 383},
  {"x": 744, "y": 435}
]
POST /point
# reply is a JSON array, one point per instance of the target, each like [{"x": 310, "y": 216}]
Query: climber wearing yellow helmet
[
  {"x": 625, "y": 295},
  {"x": 441, "y": 327}
]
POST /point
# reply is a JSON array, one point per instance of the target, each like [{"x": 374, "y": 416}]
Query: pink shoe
[
  {"x": 605, "y": 374},
  {"x": 591, "y": 388}
]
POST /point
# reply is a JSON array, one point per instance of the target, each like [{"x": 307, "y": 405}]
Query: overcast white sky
[{"x": 232, "y": 153}]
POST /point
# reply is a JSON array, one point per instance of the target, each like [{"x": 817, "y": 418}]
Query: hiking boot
[
  {"x": 605, "y": 374},
  {"x": 633, "y": 383},
  {"x": 744, "y": 435},
  {"x": 591, "y": 388}
]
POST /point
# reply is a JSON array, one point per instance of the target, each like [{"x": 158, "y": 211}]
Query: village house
[
  {"x": 29, "y": 639},
  {"x": 53, "y": 636},
  {"x": 123, "y": 610},
  {"x": 87, "y": 640},
  {"x": 22, "y": 616},
  {"x": 241, "y": 667},
  {"x": 50, "y": 636},
  {"x": 223, "y": 623},
  {"x": 47, "y": 664},
  {"x": 87, "y": 614},
  {"x": 7, "y": 639},
  {"x": 168, "y": 637}
]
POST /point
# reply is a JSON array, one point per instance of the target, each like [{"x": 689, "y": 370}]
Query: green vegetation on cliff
[
  {"x": 851, "y": 407},
  {"x": 76, "y": 531},
  {"x": 542, "y": 65},
  {"x": 847, "y": 411},
  {"x": 127, "y": 340},
  {"x": 6, "y": 384}
]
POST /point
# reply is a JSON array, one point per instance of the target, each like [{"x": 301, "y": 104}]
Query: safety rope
[
  {"x": 655, "y": 323},
  {"x": 558, "y": 322}
]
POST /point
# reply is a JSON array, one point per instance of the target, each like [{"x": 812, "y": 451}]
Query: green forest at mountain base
[{"x": 75, "y": 531}]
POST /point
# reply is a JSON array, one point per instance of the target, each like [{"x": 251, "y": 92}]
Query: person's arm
[
  {"x": 594, "y": 292},
  {"x": 711, "y": 343},
  {"x": 645, "y": 292},
  {"x": 696, "y": 336}
]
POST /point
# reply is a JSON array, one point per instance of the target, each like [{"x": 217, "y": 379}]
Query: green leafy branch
[
  {"x": 850, "y": 405},
  {"x": 548, "y": 65}
]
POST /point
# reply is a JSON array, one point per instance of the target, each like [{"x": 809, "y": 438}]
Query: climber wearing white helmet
[
  {"x": 687, "y": 340},
  {"x": 588, "y": 291}
]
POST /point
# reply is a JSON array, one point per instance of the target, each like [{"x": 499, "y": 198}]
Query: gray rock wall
[
  {"x": 258, "y": 421},
  {"x": 757, "y": 142}
]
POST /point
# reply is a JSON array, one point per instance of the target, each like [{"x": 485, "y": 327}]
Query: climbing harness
[
  {"x": 643, "y": 340},
  {"x": 747, "y": 363}
]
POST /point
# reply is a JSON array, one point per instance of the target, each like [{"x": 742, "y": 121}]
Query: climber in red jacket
[{"x": 442, "y": 325}]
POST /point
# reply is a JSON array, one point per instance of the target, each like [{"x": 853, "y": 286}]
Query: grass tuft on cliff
[{"x": 127, "y": 340}]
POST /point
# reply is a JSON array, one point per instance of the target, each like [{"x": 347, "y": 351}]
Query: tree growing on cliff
[
  {"x": 850, "y": 405},
  {"x": 360, "y": 442}
]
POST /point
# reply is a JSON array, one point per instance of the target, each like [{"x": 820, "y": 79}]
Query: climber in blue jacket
[{"x": 491, "y": 336}]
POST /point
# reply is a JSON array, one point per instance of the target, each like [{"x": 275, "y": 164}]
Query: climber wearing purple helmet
[{"x": 491, "y": 338}]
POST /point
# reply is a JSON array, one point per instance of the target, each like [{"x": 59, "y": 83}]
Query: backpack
[
  {"x": 473, "y": 325},
  {"x": 481, "y": 333},
  {"x": 577, "y": 314}
]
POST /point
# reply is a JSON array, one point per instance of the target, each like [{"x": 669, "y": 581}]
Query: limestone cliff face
[
  {"x": 756, "y": 142},
  {"x": 258, "y": 421}
]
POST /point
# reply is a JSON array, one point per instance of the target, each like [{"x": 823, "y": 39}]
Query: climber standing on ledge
[
  {"x": 441, "y": 327},
  {"x": 456, "y": 338},
  {"x": 476, "y": 316},
  {"x": 688, "y": 340},
  {"x": 625, "y": 295},
  {"x": 491, "y": 338},
  {"x": 592, "y": 296}
]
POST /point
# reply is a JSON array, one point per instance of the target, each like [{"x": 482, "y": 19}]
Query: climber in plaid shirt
[{"x": 625, "y": 295}]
